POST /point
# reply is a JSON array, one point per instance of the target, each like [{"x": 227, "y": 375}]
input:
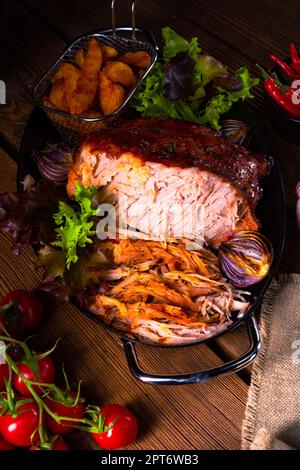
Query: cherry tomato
[
  {"x": 4, "y": 373},
  {"x": 59, "y": 444},
  {"x": 123, "y": 431},
  {"x": 24, "y": 312},
  {"x": 46, "y": 375},
  {"x": 5, "y": 445},
  {"x": 10, "y": 326},
  {"x": 18, "y": 430},
  {"x": 62, "y": 409}
]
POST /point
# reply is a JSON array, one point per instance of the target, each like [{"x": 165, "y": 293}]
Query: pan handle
[{"x": 195, "y": 377}]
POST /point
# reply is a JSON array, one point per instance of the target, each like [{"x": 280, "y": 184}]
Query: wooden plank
[
  {"x": 223, "y": 20},
  {"x": 100, "y": 363},
  {"x": 150, "y": 14},
  {"x": 250, "y": 27},
  {"x": 7, "y": 172},
  {"x": 171, "y": 421},
  {"x": 152, "y": 17},
  {"x": 14, "y": 114},
  {"x": 27, "y": 67},
  {"x": 93, "y": 355},
  {"x": 168, "y": 420},
  {"x": 29, "y": 49},
  {"x": 28, "y": 63},
  {"x": 218, "y": 20},
  {"x": 233, "y": 345},
  {"x": 238, "y": 34}
]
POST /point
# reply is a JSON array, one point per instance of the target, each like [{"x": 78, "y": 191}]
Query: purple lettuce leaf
[{"x": 28, "y": 215}]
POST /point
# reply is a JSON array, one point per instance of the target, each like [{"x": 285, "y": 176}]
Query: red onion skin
[
  {"x": 53, "y": 163},
  {"x": 236, "y": 275},
  {"x": 244, "y": 243}
]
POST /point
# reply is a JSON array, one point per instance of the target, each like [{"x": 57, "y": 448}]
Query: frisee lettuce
[
  {"x": 150, "y": 102},
  {"x": 75, "y": 225},
  {"x": 175, "y": 43},
  {"x": 223, "y": 101},
  {"x": 150, "y": 99},
  {"x": 28, "y": 217}
]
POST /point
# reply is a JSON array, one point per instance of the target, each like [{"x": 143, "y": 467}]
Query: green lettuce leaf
[
  {"x": 150, "y": 101},
  {"x": 75, "y": 225},
  {"x": 210, "y": 68},
  {"x": 248, "y": 82},
  {"x": 223, "y": 101},
  {"x": 174, "y": 43}
]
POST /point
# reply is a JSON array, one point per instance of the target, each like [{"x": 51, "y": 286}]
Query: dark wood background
[{"x": 238, "y": 32}]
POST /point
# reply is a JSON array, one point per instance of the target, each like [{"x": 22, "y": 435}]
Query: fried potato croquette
[
  {"x": 79, "y": 58},
  {"x": 71, "y": 76},
  {"x": 97, "y": 81},
  {"x": 121, "y": 73},
  {"x": 87, "y": 84},
  {"x": 111, "y": 95},
  {"x": 140, "y": 59},
  {"x": 108, "y": 52},
  {"x": 57, "y": 95}
]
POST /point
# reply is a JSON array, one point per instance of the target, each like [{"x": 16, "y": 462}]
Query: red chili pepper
[
  {"x": 286, "y": 68},
  {"x": 284, "y": 100},
  {"x": 294, "y": 58}
]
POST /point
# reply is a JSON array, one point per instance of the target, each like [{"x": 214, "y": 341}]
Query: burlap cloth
[{"x": 272, "y": 418}]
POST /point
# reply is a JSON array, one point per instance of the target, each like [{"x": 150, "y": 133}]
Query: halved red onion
[
  {"x": 245, "y": 258},
  {"x": 236, "y": 132},
  {"x": 54, "y": 163}
]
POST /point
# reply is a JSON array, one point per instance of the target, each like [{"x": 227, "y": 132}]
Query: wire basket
[{"x": 72, "y": 127}]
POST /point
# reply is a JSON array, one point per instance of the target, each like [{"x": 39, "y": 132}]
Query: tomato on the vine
[
  {"x": 68, "y": 408},
  {"x": 18, "y": 427},
  {"x": 5, "y": 445},
  {"x": 4, "y": 373},
  {"x": 123, "y": 430},
  {"x": 46, "y": 374},
  {"x": 21, "y": 311}
]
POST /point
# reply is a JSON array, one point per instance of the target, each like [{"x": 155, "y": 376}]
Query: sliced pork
[
  {"x": 163, "y": 292},
  {"x": 172, "y": 179}
]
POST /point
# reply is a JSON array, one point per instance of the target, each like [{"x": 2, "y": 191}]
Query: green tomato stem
[
  {"x": 38, "y": 357},
  {"x": 27, "y": 352},
  {"x": 96, "y": 424},
  {"x": 10, "y": 393},
  {"x": 66, "y": 378},
  {"x": 29, "y": 384}
]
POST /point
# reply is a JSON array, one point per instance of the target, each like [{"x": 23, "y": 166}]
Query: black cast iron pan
[{"x": 270, "y": 211}]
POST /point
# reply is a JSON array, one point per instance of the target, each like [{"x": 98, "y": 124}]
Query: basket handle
[
  {"x": 113, "y": 18},
  {"x": 195, "y": 377}
]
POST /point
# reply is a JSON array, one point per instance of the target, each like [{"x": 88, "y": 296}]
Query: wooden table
[{"x": 33, "y": 33}]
